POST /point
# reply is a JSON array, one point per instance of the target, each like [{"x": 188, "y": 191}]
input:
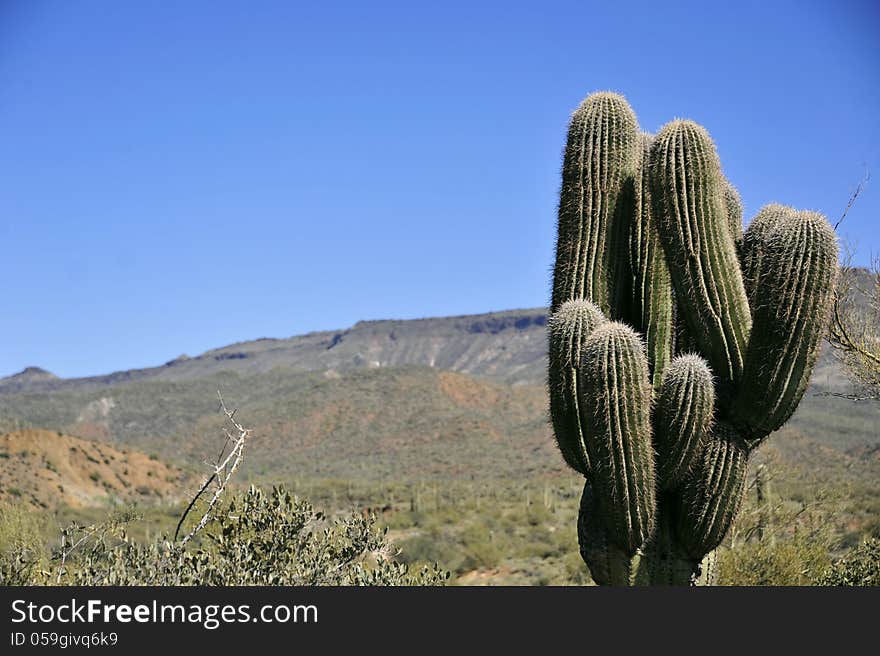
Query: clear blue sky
[{"x": 176, "y": 176}]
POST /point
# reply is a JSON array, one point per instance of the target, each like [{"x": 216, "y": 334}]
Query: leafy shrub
[
  {"x": 794, "y": 561},
  {"x": 257, "y": 538},
  {"x": 777, "y": 542},
  {"x": 861, "y": 566}
]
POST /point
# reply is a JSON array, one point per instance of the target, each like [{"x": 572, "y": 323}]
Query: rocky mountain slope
[
  {"x": 46, "y": 469},
  {"x": 506, "y": 346}
]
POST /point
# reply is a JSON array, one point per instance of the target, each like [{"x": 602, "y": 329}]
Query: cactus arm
[
  {"x": 689, "y": 201},
  {"x": 793, "y": 297},
  {"x": 754, "y": 244},
  {"x": 568, "y": 328},
  {"x": 600, "y": 154},
  {"x": 734, "y": 209},
  {"x": 615, "y": 403},
  {"x": 710, "y": 497},
  {"x": 682, "y": 417},
  {"x": 652, "y": 307}
]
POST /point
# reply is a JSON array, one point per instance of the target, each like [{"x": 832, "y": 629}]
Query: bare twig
[
  {"x": 65, "y": 552},
  {"x": 224, "y": 469},
  {"x": 852, "y": 199},
  {"x": 854, "y": 326}
]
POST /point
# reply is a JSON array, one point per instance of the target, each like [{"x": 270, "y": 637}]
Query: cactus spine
[{"x": 660, "y": 415}]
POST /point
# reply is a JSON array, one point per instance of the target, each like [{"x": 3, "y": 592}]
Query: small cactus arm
[
  {"x": 734, "y": 208},
  {"x": 682, "y": 417},
  {"x": 567, "y": 330},
  {"x": 677, "y": 342}
]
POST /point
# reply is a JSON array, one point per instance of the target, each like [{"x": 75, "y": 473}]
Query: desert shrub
[
  {"x": 861, "y": 566},
  {"x": 779, "y": 542},
  {"x": 257, "y": 538},
  {"x": 574, "y": 571},
  {"x": 431, "y": 545},
  {"x": 481, "y": 549},
  {"x": 22, "y": 550},
  {"x": 794, "y": 561}
]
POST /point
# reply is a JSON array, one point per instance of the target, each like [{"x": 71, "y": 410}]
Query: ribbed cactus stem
[
  {"x": 608, "y": 563},
  {"x": 682, "y": 417},
  {"x": 754, "y": 243},
  {"x": 615, "y": 403},
  {"x": 600, "y": 156},
  {"x": 567, "y": 329},
  {"x": 652, "y": 305},
  {"x": 793, "y": 297},
  {"x": 734, "y": 209},
  {"x": 688, "y": 195},
  {"x": 710, "y": 496},
  {"x": 683, "y": 342}
]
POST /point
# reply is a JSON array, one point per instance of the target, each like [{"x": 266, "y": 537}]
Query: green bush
[
  {"x": 795, "y": 561},
  {"x": 257, "y": 538},
  {"x": 861, "y": 566}
]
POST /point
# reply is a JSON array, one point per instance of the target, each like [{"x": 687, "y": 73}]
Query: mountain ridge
[{"x": 375, "y": 342}]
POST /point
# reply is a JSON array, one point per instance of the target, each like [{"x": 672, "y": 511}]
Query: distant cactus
[{"x": 677, "y": 342}]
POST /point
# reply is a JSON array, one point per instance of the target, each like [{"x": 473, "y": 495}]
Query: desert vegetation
[
  {"x": 221, "y": 538},
  {"x": 853, "y": 330},
  {"x": 810, "y": 526}
]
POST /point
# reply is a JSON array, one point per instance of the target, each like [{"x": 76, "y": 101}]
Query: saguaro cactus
[{"x": 677, "y": 342}]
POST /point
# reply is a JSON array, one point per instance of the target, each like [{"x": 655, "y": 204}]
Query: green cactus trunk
[{"x": 650, "y": 233}]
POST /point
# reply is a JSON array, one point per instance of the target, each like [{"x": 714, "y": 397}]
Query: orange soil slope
[{"x": 46, "y": 469}]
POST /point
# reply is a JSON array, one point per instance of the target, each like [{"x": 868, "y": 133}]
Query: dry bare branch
[
  {"x": 854, "y": 328},
  {"x": 224, "y": 468}
]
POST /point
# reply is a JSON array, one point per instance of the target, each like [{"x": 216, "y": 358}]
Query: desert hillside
[{"x": 47, "y": 469}]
